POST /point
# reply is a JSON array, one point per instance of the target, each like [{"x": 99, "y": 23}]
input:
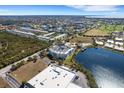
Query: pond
[{"x": 106, "y": 66}]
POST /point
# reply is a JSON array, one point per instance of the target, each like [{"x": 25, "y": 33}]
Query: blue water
[{"x": 106, "y": 66}]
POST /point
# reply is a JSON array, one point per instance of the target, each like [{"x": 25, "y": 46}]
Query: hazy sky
[{"x": 61, "y": 10}]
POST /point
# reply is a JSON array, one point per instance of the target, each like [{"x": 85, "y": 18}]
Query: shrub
[{"x": 16, "y": 66}]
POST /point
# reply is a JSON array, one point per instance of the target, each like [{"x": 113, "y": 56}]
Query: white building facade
[{"x": 61, "y": 51}]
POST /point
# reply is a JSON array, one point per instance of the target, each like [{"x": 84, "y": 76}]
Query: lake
[{"x": 106, "y": 66}]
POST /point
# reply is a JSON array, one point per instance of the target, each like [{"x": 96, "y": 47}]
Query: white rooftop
[
  {"x": 99, "y": 42},
  {"x": 61, "y": 49},
  {"x": 119, "y": 43},
  {"x": 109, "y": 45},
  {"x": 53, "y": 77},
  {"x": 119, "y": 38},
  {"x": 119, "y": 48},
  {"x": 110, "y": 41}
]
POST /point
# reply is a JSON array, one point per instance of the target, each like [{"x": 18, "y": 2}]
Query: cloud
[
  {"x": 3, "y": 10},
  {"x": 115, "y": 12},
  {"x": 90, "y": 8}
]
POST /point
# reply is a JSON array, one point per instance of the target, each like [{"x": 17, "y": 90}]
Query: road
[
  {"x": 6, "y": 69},
  {"x": 82, "y": 80}
]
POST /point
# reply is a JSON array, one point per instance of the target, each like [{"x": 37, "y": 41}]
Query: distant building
[
  {"x": 21, "y": 33},
  {"x": 42, "y": 35},
  {"x": 61, "y": 37},
  {"x": 109, "y": 43},
  {"x": 11, "y": 27},
  {"x": 118, "y": 34},
  {"x": 53, "y": 77},
  {"x": 2, "y": 27},
  {"x": 99, "y": 41},
  {"x": 115, "y": 42},
  {"x": 60, "y": 51},
  {"x": 52, "y": 36}
]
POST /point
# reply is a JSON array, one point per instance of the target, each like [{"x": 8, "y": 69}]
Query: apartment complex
[{"x": 116, "y": 41}]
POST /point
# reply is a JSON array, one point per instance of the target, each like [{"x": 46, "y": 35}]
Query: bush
[
  {"x": 30, "y": 59},
  {"x": 90, "y": 78},
  {"x": 15, "y": 46},
  {"x": 15, "y": 67},
  {"x": 23, "y": 84}
]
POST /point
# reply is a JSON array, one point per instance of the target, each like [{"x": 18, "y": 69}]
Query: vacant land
[
  {"x": 96, "y": 32},
  {"x": 81, "y": 39},
  {"x": 14, "y": 48},
  {"x": 28, "y": 71},
  {"x": 3, "y": 84}
]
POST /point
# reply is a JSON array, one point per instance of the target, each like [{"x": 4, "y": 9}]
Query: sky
[{"x": 105, "y": 10}]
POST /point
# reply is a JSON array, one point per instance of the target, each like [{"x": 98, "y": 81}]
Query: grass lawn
[
  {"x": 104, "y": 30},
  {"x": 28, "y": 71},
  {"x": 69, "y": 62},
  {"x": 111, "y": 28},
  {"x": 3, "y": 84},
  {"x": 18, "y": 48},
  {"x": 96, "y": 32}
]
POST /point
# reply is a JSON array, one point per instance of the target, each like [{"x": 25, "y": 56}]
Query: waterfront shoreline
[
  {"x": 90, "y": 78},
  {"x": 102, "y": 68}
]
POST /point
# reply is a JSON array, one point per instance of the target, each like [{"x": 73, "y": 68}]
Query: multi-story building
[{"x": 60, "y": 51}]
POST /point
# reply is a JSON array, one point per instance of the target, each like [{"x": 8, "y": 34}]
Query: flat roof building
[
  {"x": 21, "y": 33},
  {"x": 54, "y": 77},
  {"x": 60, "y": 51}
]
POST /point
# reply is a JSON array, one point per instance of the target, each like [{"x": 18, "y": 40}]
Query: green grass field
[
  {"x": 111, "y": 28},
  {"x": 16, "y": 48}
]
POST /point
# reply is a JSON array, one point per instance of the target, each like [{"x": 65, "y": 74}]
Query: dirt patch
[
  {"x": 28, "y": 71},
  {"x": 3, "y": 83},
  {"x": 96, "y": 32},
  {"x": 81, "y": 39}
]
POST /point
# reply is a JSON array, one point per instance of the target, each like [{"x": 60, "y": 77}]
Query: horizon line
[{"x": 91, "y": 16}]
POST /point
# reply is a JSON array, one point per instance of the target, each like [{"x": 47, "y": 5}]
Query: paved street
[
  {"x": 6, "y": 69},
  {"x": 81, "y": 81}
]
